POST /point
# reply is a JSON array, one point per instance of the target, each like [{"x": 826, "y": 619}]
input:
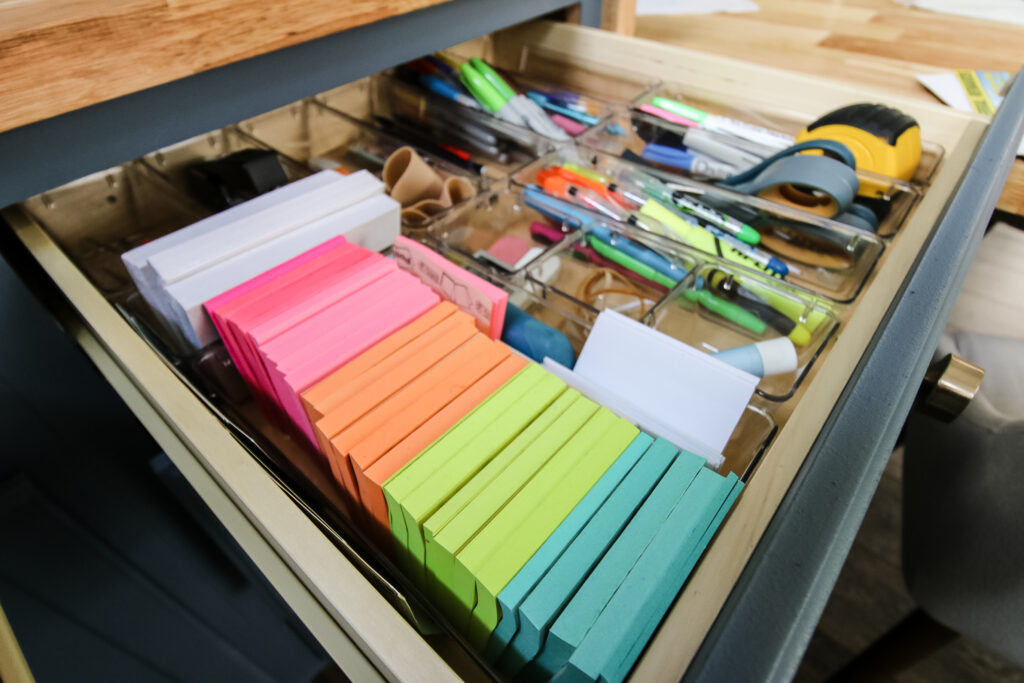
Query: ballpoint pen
[{"x": 546, "y": 102}]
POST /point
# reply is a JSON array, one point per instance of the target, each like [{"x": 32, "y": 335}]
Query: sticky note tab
[{"x": 471, "y": 293}]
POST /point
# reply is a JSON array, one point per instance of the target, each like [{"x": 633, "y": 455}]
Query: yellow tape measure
[{"x": 882, "y": 139}]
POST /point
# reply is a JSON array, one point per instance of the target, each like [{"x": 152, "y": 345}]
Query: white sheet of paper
[
  {"x": 648, "y": 7},
  {"x": 700, "y": 396}
]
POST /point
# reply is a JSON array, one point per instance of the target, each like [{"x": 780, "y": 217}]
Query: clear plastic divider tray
[
  {"x": 631, "y": 132},
  {"x": 701, "y": 308},
  {"x": 824, "y": 256}
]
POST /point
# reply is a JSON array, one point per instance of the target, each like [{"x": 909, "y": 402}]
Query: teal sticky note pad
[
  {"x": 586, "y": 605},
  {"x": 629, "y": 657},
  {"x": 550, "y": 595},
  {"x": 609, "y": 649},
  {"x": 520, "y": 586}
]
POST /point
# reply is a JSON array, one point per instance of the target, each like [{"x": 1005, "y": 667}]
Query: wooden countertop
[
  {"x": 61, "y": 55},
  {"x": 877, "y": 43}
]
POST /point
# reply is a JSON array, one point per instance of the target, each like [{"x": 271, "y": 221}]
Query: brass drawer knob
[{"x": 949, "y": 385}]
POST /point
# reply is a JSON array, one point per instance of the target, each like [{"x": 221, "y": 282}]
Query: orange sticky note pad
[
  {"x": 419, "y": 399},
  {"x": 324, "y": 393},
  {"x": 387, "y": 377},
  {"x": 372, "y": 479}
]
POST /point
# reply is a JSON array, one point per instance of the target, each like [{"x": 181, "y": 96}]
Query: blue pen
[
  {"x": 445, "y": 90},
  {"x": 687, "y": 161},
  {"x": 554, "y": 208},
  {"x": 586, "y": 119},
  {"x": 647, "y": 256},
  {"x": 761, "y": 257}
]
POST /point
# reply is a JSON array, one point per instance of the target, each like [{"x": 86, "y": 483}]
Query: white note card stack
[
  {"x": 179, "y": 272},
  {"x": 662, "y": 385}
]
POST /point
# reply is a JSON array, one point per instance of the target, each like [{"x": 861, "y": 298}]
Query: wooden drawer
[{"x": 309, "y": 564}]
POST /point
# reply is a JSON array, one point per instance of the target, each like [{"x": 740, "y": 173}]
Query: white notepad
[
  {"x": 694, "y": 399},
  {"x": 137, "y": 259},
  {"x": 373, "y": 223}
]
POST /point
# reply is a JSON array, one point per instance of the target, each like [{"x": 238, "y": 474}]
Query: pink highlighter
[{"x": 668, "y": 116}]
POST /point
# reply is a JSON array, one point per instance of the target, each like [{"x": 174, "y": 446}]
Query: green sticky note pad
[
  {"x": 537, "y": 511},
  {"x": 463, "y": 463},
  {"x": 469, "y": 508},
  {"x": 407, "y": 479}
]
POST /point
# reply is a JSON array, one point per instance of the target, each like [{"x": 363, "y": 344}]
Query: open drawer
[{"x": 321, "y": 575}]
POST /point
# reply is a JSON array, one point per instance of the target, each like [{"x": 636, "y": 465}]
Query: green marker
[
  {"x": 681, "y": 109},
  {"x": 726, "y": 309},
  {"x": 626, "y": 261},
  {"x": 492, "y": 77},
  {"x": 485, "y": 93}
]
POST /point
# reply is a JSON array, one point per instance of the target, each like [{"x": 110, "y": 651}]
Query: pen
[
  {"x": 766, "y": 260},
  {"x": 640, "y": 253},
  {"x": 702, "y": 141},
  {"x": 687, "y": 161},
  {"x": 726, "y": 309},
  {"x": 442, "y": 88},
  {"x": 741, "y": 129},
  {"x": 623, "y": 259},
  {"x": 700, "y": 238},
  {"x": 728, "y": 224},
  {"x": 546, "y": 103}
]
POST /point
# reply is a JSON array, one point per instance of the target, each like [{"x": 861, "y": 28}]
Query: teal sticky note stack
[
  {"x": 523, "y": 582},
  {"x": 553, "y": 533},
  {"x": 549, "y": 596},
  {"x": 620, "y": 632}
]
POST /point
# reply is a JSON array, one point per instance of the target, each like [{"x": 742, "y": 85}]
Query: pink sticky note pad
[
  {"x": 224, "y": 308},
  {"x": 474, "y": 295},
  {"x": 310, "y": 351},
  {"x": 508, "y": 249},
  {"x": 314, "y": 298},
  {"x": 277, "y": 299}
]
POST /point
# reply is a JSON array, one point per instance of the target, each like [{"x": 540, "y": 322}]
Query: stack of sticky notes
[
  {"x": 178, "y": 273},
  {"x": 522, "y": 498},
  {"x": 525, "y": 519}
]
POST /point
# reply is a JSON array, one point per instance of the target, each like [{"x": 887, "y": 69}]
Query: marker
[
  {"x": 721, "y": 124},
  {"x": 687, "y": 161},
  {"x": 702, "y": 141},
  {"x": 763, "y": 359},
  {"x": 727, "y": 310},
  {"x": 668, "y": 116},
  {"x": 701, "y": 238},
  {"x": 728, "y": 224},
  {"x": 442, "y": 88},
  {"x": 767, "y": 260}
]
